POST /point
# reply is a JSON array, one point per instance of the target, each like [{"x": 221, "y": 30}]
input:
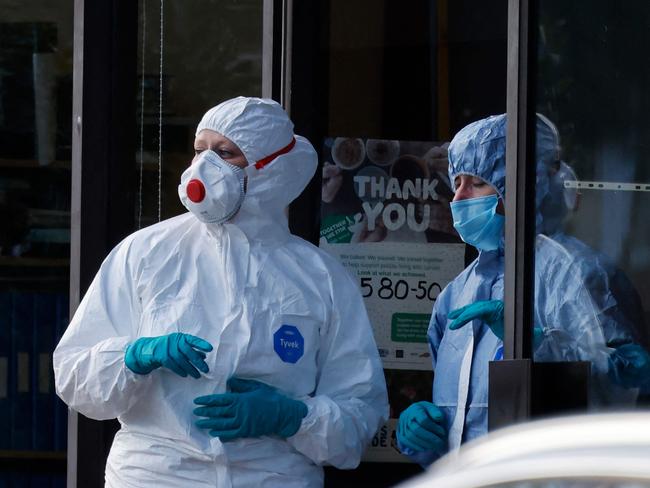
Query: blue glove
[
  {"x": 252, "y": 409},
  {"x": 420, "y": 428},
  {"x": 629, "y": 366},
  {"x": 182, "y": 353},
  {"x": 489, "y": 311}
]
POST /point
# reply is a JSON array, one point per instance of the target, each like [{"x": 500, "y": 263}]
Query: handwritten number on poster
[{"x": 387, "y": 289}]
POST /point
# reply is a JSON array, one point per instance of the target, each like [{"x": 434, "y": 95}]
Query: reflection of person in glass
[
  {"x": 466, "y": 329},
  {"x": 620, "y": 310},
  {"x": 607, "y": 283}
]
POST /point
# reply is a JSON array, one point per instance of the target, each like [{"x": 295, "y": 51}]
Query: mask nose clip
[{"x": 195, "y": 191}]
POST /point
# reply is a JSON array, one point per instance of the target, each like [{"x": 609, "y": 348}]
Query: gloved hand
[
  {"x": 489, "y": 311},
  {"x": 182, "y": 353},
  {"x": 252, "y": 409},
  {"x": 420, "y": 428},
  {"x": 629, "y": 366}
]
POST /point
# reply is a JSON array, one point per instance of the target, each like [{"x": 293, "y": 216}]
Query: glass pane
[
  {"x": 227, "y": 62},
  {"x": 593, "y": 198},
  {"x": 414, "y": 73},
  {"x": 36, "y": 44},
  {"x": 402, "y": 81}
]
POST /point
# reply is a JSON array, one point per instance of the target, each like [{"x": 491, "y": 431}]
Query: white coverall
[{"x": 234, "y": 285}]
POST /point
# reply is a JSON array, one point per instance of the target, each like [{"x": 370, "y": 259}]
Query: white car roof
[{"x": 612, "y": 446}]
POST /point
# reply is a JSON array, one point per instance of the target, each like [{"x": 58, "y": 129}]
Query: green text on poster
[{"x": 409, "y": 327}]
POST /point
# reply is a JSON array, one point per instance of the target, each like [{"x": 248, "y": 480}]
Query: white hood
[{"x": 261, "y": 128}]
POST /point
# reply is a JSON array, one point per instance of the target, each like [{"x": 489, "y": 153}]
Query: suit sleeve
[
  {"x": 89, "y": 369},
  {"x": 437, "y": 326},
  {"x": 350, "y": 402}
]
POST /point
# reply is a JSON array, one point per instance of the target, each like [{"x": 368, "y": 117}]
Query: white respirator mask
[{"x": 212, "y": 189}]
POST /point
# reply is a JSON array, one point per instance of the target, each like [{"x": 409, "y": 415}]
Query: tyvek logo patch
[{"x": 288, "y": 343}]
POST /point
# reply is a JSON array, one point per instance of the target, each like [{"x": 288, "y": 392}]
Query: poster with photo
[{"x": 385, "y": 215}]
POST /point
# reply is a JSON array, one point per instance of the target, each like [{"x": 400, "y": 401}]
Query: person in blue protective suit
[
  {"x": 233, "y": 353},
  {"x": 466, "y": 329},
  {"x": 619, "y": 304},
  {"x": 607, "y": 283},
  {"x": 619, "y": 300},
  {"x": 620, "y": 309}
]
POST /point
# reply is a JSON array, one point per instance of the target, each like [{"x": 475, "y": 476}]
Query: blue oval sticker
[{"x": 288, "y": 343}]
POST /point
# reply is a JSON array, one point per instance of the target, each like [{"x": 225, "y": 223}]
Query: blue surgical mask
[{"x": 477, "y": 221}]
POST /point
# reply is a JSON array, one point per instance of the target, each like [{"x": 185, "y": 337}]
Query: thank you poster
[{"x": 385, "y": 215}]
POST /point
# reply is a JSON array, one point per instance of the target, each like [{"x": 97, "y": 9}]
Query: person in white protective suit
[{"x": 285, "y": 371}]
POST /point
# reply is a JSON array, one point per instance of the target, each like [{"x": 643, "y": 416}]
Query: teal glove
[
  {"x": 629, "y": 366},
  {"x": 182, "y": 353},
  {"x": 489, "y": 311},
  {"x": 420, "y": 428},
  {"x": 252, "y": 409}
]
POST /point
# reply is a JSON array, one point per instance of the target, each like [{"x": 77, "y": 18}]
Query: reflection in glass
[
  {"x": 594, "y": 89},
  {"x": 404, "y": 78},
  {"x": 212, "y": 51},
  {"x": 36, "y": 39}
]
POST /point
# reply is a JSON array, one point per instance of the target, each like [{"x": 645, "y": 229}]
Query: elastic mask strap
[{"x": 264, "y": 161}]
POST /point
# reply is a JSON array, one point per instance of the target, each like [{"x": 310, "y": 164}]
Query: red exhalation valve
[{"x": 195, "y": 191}]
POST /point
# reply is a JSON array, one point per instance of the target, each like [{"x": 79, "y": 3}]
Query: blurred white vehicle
[{"x": 590, "y": 451}]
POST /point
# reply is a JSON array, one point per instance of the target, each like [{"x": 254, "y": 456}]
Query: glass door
[
  {"x": 35, "y": 153},
  {"x": 180, "y": 77},
  {"x": 393, "y": 83},
  {"x": 592, "y": 250}
]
